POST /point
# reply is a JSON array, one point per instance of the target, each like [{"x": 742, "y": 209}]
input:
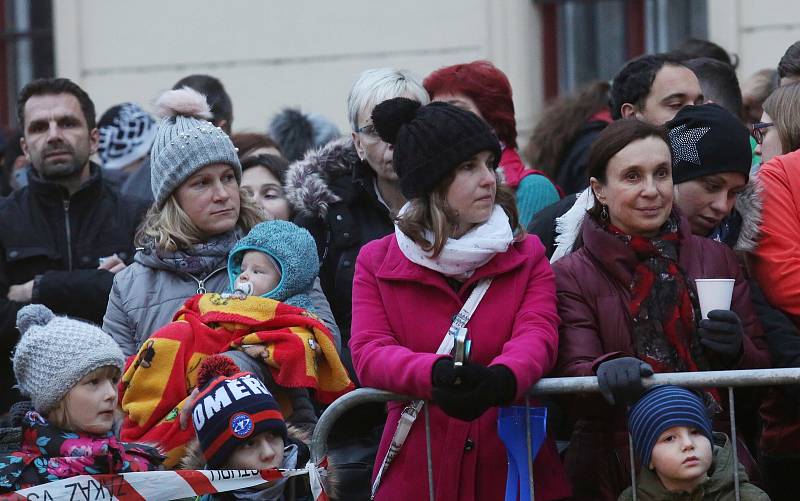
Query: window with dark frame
[{"x": 586, "y": 40}]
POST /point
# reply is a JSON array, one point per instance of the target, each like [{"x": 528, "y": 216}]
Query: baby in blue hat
[{"x": 276, "y": 260}]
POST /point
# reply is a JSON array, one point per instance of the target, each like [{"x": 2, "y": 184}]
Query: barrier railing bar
[
  {"x": 551, "y": 386},
  {"x": 428, "y": 451},
  {"x": 734, "y": 443},
  {"x": 529, "y": 438},
  {"x": 632, "y": 465},
  {"x": 749, "y": 377}
]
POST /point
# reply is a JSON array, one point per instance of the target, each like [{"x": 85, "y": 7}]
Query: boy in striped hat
[{"x": 679, "y": 454}]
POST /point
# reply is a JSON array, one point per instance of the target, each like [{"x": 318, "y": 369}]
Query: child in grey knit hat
[{"x": 70, "y": 370}]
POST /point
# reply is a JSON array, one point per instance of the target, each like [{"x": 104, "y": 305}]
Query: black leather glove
[
  {"x": 468, "y": 402},
  {"x": 620, "y": 379},
  {"x": 722, "y": 333}
]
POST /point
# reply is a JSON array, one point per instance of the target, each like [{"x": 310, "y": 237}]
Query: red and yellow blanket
[{"x": 294, "y": 344}]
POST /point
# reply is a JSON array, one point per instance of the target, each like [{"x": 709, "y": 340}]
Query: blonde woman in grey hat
[{"x": 198, "y": 214}]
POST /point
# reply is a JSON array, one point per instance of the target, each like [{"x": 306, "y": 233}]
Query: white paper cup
[{"x": 714, "y": 294}]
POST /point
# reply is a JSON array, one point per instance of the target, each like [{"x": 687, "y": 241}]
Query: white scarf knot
[{"x": 460, "y": 257}]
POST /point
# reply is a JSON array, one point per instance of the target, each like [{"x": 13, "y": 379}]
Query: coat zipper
[
  {"x": 69, "y": 233},
  {"x": 201, "y": 284}
]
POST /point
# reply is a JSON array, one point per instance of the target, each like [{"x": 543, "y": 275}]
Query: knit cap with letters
[
  {"x": 186, "y": 142},
  {"x": 232, "y": 406},
  {"x": 54, "y": 353},
  {"x": 430, "y": 141},
  {"x": 660, "y": 409}
]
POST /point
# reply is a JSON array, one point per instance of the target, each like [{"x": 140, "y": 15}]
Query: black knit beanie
[
  {"x": 707, "y": 139},
  {"x": 430, "y": 141}
]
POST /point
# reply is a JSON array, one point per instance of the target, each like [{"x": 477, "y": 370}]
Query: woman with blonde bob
[
  {"x": 458, "y": 230},
  {"x": 199, "y": 213}
]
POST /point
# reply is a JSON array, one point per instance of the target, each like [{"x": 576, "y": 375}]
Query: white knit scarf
[{"x": 461, "y": 256}]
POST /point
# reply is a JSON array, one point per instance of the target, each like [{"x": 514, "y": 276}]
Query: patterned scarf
[
  {"x": 663, "y": 306},
  {"x": 203, "y": 258},
  {"x": 49, "y": 453}
]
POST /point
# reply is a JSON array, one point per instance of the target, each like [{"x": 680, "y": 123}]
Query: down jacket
[
  {"x": 593, "y": 297},
  {"x": 401, "y": 312}
]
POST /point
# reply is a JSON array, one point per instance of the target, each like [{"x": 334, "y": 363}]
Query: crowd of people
[{"x": 179, "y": 296}]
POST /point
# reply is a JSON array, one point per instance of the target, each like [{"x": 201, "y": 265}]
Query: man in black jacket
[{"x": 67, "y": 233}]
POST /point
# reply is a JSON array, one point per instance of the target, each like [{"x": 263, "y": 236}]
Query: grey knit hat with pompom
[
  {"x": 54, "y": 353},
  {"x": 186, "y": 142}
]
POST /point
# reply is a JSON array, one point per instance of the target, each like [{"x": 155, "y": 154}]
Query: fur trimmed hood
[
  {"x": 749, "y": 205},
  {"x": 308, "y": 181}
]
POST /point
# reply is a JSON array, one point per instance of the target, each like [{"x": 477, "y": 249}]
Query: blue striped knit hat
[{"x": 660, "y": 409}]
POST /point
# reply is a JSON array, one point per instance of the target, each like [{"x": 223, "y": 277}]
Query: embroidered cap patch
[{"x": 241, "y": 425}]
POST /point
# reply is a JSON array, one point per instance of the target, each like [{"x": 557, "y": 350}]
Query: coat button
[
  {"x": 469, "y": 445},
  {"x": 338, "y": 217},
  {"x": 346, "y": 234},
  {"x": 13, "y": 253},
  {"x": 346, "y": 263}
]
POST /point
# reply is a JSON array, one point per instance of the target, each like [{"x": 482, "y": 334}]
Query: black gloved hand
[
  {"x": 445, "y": 373},
  {"x": 620, "y": 379},
  {"x": 468, "y": 402},
  {"x": 722, "y": 333}
]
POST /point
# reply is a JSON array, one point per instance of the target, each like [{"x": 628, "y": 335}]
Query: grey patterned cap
[
  {"x": 54, "y": 353},
  {"x": 186, "y": 142}
]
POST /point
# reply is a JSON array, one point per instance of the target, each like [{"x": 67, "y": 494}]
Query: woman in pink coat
[{"x": 457, "y": 229}]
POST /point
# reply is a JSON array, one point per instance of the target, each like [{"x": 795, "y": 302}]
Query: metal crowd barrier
[{"x": 554, "y": 386}]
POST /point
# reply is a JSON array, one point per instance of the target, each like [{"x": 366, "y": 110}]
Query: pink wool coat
[{"x": 401, "y": 312}]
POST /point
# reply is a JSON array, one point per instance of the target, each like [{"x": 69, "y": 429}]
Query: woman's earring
[{"x": 604, "y": 212}]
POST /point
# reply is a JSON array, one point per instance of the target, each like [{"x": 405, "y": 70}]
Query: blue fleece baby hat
[
  {"x": 660, "y": 409},
  {"x": 292, "y": 248}
]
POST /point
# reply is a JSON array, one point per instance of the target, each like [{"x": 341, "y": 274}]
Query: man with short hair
[
  {"x": 67, "y": 233},
  {"x": 653, "y": 88},
  {"x": 718, "y": 82},
  {"x": 789, "y": 65}
]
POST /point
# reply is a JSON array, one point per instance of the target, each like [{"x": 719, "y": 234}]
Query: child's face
[
  {"x": 681, "y": 458},
  {"x": 89, "y": 406},
  {"x": 260, "y": 271},
  {"x": 264, "y": 450}
]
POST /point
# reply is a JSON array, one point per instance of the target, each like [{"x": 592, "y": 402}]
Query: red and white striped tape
[{"x": 162, "y": 485}]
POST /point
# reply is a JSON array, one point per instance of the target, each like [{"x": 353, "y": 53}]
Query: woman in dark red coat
[{"x": 628, "y": 303}]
